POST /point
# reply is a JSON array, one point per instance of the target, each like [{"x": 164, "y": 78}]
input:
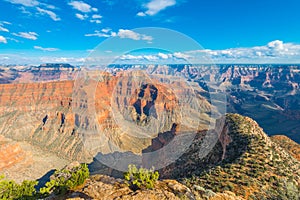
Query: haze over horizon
[{"x": 40, "y": 31}]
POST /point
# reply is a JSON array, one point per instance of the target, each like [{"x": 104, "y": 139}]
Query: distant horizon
[
  {"x": 54, "y": 63},
  {"x": 275, "y": 52}
]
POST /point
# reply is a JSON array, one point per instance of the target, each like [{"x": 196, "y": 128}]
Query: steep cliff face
[
  {"x": 40, "y": 113},
  {"x": 128, "y": 112},
  {"x": 114, "y": 113}
]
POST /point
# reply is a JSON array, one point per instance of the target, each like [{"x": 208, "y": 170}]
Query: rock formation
[{"x": 122, "y": 113}]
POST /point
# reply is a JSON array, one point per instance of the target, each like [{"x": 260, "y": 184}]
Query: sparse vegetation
[
  {"x": 140, "y": 178},
  {"x": 9, "y": 189},
  {"x": 62, "y": 181},
  {"x": 287, "y": 144},
  {"x": 253, "y": 162},
  {"x": 66, "y": 179}
]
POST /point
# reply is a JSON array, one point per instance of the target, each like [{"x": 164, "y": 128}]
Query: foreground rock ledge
[{"x": 100, "y": 187}]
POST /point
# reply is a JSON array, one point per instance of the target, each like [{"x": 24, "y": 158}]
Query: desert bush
[
  {"x": 9, "y": 189},
  {"x": 60, "y": 183},
  {"x": 140, "y": 178},
  {"x": 66, "y": 179}
]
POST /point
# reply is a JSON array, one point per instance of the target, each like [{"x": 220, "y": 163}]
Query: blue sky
[{"x": 230, "y": 31}]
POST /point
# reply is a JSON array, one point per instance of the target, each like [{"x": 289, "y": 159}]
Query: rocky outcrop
[
  {"x": 252, "y": 161},
  {"x": 102, "y": 187},
  {"x": 242, "y": 159}
]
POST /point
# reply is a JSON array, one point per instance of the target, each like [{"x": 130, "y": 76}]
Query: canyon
[
  {"x": 105, "y": 113},
  {"x": 72, "y": 114}
]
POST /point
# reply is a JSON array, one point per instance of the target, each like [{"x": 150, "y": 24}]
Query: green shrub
[
  {"x": 140, "y": 178},
  {"x": 11, "y": 190},
  {"x": 64, "y": 180},
  {"x": 60, "y": 183}
]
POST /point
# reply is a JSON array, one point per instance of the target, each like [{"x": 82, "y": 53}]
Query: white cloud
[
  {"x": 2, "y": 24},
  {"x": 5, "y": 22},
  {"x": 4, "y": 58},
  {"x": 86, "y": 8},
  {"x": 105, "y": 30},
  {"x": 98, "y": 34},
  {"x": 45, "y": 49},
  {"x": 32, "y": 59},
  {"x": 96, "y": 16},
  {"x": 81, "y": 17},
  {"x": 131, "y": 57},
  {"x": 139, "y": 58},
  {"x": 141, "y": 14},
  {"x": 155, "y": 6},
  {"x": 163, "y": 55},
  {"x": 41, "y": 8},
  {"x": 147, "y": 38},
  {"x": 150, "y": 57},
  {"x": 51, "y": 14},
  {"x": 27, "y": 35},
  {"x": 27, "y": 3},
  {"x": 276, "y": 44},
  {"x": 82, "y": 6},
  {"x": 3, "y": 39},
  {"x": 274, "y": 51},
  {"x": 13, "y": 39},
  {"x": 176, "y": 57},
  {"x": 180, "y": 55},
  {"x": 50, "y": 6},
  {"x": 128, "y": 34},
  {"x": 122, "y": 33},
  {"x": 25, "y": 11},
  {"x": 3, "y": 29},
  {"x": 71, "y": 60},
  {"x": 97, "y": 21},
  {"x": 113, "y": 34},
  {"x": 133, "y": 35}
]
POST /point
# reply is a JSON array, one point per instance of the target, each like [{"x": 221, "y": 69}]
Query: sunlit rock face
[{"x": 108, "y": 113}]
